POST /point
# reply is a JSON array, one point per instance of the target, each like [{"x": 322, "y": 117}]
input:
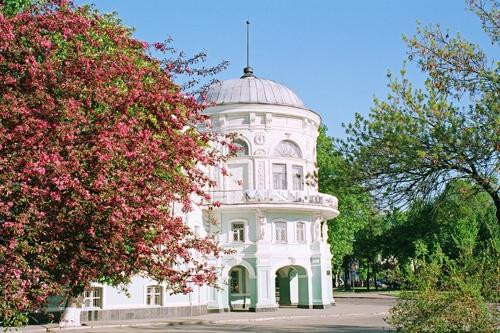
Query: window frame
[
  {"x": 297, "y": 180},
  {"x": 242, "y": 234},
  {"x": 151, "y": 296},
  {"x": 92, "y": 297},
  {"x": 283, "y": 176},
  {"x": 304, "y": 238},
  {"x": 283, "y": 232}
]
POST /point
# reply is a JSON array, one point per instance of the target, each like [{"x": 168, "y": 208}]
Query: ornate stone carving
[
  {"x": 315, "y": 261},
  {"x": 260, "y": 152},
  {"x": 261, "y": 175},
  {"x": 269, "y": 119},
  {"x": 261, "y": 223},
  {"x": 305, "y": 123},
  {"x": 324, "y": 230},
  {"x": 317, "y": 228},
  {"x": 260, "y": 138},
  {"x": 252, "y": 118},
  {"x": 287, "y": 149}
]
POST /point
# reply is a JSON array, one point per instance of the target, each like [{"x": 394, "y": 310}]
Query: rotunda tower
[{"x": 271, "y": 212}]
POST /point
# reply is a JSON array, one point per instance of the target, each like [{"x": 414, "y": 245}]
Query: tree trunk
[
  {"x": 71, "y": 314},
  {"x": 347, "y": 276},
  {"x": 497, "y": 205},
  {"x": 374, "y": 270},
  {"x": 496, "y": 199},
  {"x": 368, "y": 275},
  {"x": 489, "y": 188}
]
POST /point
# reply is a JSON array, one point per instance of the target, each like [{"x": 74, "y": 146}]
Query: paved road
[{"x": 350, "y": 315}]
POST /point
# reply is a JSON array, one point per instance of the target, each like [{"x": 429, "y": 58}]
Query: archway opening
[
  {"x": 239, "y": 289},
  {"x": 291, "y": 287}
]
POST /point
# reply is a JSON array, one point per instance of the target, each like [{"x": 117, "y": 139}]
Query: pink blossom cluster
[{"x": 93, "y": 154}]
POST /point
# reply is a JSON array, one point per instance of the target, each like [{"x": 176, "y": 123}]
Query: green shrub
[{"x": 448, "y": 296}]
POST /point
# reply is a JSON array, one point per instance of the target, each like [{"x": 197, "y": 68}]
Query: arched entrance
[
  {"x": 292, "y": 287},
  {"x": 239, "y": 289}
]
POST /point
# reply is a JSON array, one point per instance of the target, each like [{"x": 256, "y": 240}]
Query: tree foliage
[
  {"x": 462, "y": 218},
  {"x": 355, "y": 209},
  {"x": 418, "y": 140},
  {"x": 447, "y": 257},
  {"x": 489, "y": 14},
  {"x": 368, "y": 246},
  {"x": 12, "y": 7},
  {"x": 447, "y": 296},
  {"x": 97, "y": 147}
]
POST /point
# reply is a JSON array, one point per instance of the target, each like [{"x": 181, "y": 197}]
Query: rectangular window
[
  {"x": 298, "y": 177},
  {"x": 280, "y": 230},
  {"x": 92, "y": 298},
  {"x": 301, "y": 232},
  {"x": 279, "y": 176},
  {"x": 238, "y": 231},
  {"x": 153, "y": 295}
]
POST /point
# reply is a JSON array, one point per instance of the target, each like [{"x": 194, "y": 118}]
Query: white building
[{"x": 271, "y": 214}]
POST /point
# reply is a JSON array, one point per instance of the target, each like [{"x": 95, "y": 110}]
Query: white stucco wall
[{"x": 256, "y": 203}]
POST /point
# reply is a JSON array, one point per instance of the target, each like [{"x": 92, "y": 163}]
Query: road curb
[
  {"x": 299, "y": 317},
  {"x": 364, "y": 296},
  {"x": 174, "y": 322}
]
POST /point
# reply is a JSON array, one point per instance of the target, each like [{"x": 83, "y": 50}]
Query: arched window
[
  {"x": 242, "y": 147},
  {"x": 287, "y": 149}
]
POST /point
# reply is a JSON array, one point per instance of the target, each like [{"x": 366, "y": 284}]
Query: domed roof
[{"x": 250, "y": 89}]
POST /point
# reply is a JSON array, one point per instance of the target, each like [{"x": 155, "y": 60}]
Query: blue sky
[{"x": 333, "y": 54}]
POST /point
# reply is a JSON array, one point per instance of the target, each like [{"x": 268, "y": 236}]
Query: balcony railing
[{"x": 273, "y": 196}]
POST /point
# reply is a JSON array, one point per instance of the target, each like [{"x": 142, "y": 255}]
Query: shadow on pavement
[{"x": 248, "y": 328}]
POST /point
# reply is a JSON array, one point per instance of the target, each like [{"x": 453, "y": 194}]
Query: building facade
[{"x": 271, "y": 214}]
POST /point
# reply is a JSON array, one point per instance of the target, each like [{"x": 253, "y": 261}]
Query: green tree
[
  {"x": 418, "y": 140},
  {"x": 368, "y": 245},
  {"x": 460, "y": 219},
  {"x": 447, "y": 296},
  {"x": 450, "y": 289},
  {"x": 12, "y": 7},
  {"x": 355, "y": 208}
]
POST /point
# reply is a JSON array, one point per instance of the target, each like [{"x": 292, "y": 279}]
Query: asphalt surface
[{"x": 349, "y": 315}]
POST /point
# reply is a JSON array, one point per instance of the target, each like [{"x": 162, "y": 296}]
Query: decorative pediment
[{"x": 287, "y": 149}]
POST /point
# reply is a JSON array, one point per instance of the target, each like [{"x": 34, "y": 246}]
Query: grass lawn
[{"x": 358, "y": 290}]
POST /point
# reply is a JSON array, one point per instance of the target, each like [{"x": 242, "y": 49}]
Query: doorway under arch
[
  {"x": 292, "y": 287},
  {"x": 239, "y": 289}
]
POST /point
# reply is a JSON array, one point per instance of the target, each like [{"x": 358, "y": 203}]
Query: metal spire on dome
[{"x": 248, "y": 71}]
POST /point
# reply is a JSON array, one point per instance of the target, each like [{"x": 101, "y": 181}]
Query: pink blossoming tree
[{"x": 97, "y": 145}]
